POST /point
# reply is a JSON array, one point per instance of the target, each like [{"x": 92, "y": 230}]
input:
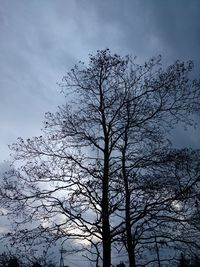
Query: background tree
[
  {"x": 4, "y": 259},
  {"x": 8, "y": 260},
  {"x": 36, "y": 264},
  {"x": 183, "y": 261},
  {"x": 120, "y": 265},
  {"x": 162, "y": 203},
  {"x": 13, "y": 262},
  {"x": 87, "y": 178},
  {"x": 188, "y": 260}
]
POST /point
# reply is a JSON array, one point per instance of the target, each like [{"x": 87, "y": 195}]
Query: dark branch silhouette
[{"x": 104, "y": 173}]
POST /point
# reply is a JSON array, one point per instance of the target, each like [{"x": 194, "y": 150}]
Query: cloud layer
[{"x": 41, "y": 40}]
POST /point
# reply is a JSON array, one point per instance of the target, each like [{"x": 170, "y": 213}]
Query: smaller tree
[
  {"x": 190, "y": 261},
  {"x": 4, "y": 258},
  {"x": 13, "y": 262},
  {"x": 36, "y": 264},
  {"x": 195, "y": 261},
  {"x": 121, "y": 264},
  {"x": 184, "y": 262}
]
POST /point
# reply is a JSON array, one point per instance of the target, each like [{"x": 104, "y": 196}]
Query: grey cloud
[
  {"x": 152, "y": 27},
  {"x": 41, "y": 40},
  {"x": 176, "y": 25}
]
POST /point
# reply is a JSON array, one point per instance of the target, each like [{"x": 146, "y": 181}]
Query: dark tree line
[
  {"x": 7, "y": 260},
  {"x": 189, "y": 261},
  {"x": 14, "y": 262},
  {"x": 104, "y": 172}
]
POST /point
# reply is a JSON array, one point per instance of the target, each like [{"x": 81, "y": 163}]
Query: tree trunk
[
  {"x": 130, "y": 244},
  {"x": 105, "y": 213},
  {"x": 106, "y": 238},
  {"x": 130, "y": 241}
]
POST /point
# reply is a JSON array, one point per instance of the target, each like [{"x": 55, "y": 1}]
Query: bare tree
[
  {"x": 163, "y": 194},
  {"x": 78, "y": 180}
]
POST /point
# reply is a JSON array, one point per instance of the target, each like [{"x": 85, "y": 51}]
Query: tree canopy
[{"x": 104, "y": 172}]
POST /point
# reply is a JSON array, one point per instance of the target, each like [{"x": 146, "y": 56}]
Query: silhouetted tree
[
  {"x": 148, "y": 166},
  {"x": 4, "y": 259},
  {"x": 36, "y": 264},
  {"x": 195, "y": 261},
  {"x": 189, "y": 261},
  {"x": 163, "y": 192},
  {"x": 184, "y": 262},
  {"x": 13, "y": 262},
  {"x": 121, "y": 264},
  {"x": 104, "y": 165}
]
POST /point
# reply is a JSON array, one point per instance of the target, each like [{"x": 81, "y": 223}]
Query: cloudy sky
[{"x": 41, "y": 39}]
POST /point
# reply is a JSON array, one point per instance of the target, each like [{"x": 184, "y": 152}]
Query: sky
[{"x": 40, "y": 40}]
